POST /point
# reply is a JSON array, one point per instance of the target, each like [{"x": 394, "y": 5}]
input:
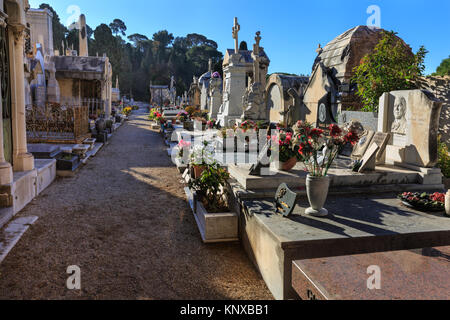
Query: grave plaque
[
  {"x": 324, "y": 113},
  {"x": 369, "y": 159},
  {"x": 381, "y": 139},
  {"x": 361, "y": 147},
  {"x": 263, "y": 160},
  {"x": 285, "y": 200}
]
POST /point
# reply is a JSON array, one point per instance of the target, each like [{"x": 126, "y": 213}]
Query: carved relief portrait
[{"x": 399, "y": 125}]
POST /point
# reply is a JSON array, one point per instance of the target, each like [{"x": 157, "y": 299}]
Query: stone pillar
[
  {"x": 83, "y": 37},
  {"x": 23, "y": 161},
  {"x": 6, "y": 173}
]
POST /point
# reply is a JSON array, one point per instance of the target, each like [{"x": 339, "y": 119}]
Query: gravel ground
[{"x": 125, "y": 222}]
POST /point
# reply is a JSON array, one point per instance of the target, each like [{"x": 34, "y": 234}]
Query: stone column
[
  {"x": 6, "y": 173},
  {"x": 23, "y": 161}
]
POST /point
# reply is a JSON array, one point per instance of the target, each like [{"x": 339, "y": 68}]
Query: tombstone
[
  {"x": 381, "y": 139},
  {"x": 369, "y": 159},
  {"x": 361, "y": 147},
  {"x": 215, "y": 93},
  {"x": 285, "y": 200},
  {"x": 411, "y": 117}
]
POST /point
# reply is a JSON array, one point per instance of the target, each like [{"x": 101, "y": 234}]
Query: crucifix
[{"x": 236, "y": 29}]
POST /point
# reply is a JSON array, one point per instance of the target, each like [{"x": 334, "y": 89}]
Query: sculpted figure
[{"x": 399, "y": 125}]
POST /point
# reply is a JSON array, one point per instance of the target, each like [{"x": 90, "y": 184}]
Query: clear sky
[{"x": 291, "y": 29}]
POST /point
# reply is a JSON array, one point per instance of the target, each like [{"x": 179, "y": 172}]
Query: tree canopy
[
  {"x": 444, "y": 68},
  {"x": 391, "y": 66},
  {"x": 138, "y": 60}
]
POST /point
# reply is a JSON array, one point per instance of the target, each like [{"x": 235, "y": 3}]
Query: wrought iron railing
[{"x": 57, "y": 122}]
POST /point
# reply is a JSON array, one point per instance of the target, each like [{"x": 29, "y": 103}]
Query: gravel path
[{"x": 125, "y": 222}]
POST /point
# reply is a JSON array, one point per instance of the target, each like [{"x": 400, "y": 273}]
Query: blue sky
[{"x": 291, "y": 29}]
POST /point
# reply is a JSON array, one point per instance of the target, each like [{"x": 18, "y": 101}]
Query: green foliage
[
  {"x": 444, "y": 158},
  {"x": 391, "y": 66},
  {"x": 444, "y": 68},
  {"x": 209, "y": 187}
]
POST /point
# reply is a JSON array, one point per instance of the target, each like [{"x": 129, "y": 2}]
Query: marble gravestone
[
  {"x": 369, "y": 159},
  {"x": 411, "y": 117},
  {"x": 363, "y": 144}
]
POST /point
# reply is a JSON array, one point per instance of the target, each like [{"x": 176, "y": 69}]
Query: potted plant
[
  {"x": 283, "y": 147},
  {"x": 182, "y": 116},
  {"x": 310, "y": 142},
  {"x": 214, "y": 218},
  {"x": 201, "y": 157},
  {"x": 209, "y": 188}
]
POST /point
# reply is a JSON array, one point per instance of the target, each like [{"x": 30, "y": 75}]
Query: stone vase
[
  {"x": 317, "y": 189},
  {"x": 447, "y": 203}
]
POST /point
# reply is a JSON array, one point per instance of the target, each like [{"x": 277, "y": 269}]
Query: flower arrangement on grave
[
  {"x": 183, "y": 147},
  {"x": 160, "y": 118},
  {"x": 210, "y": 188},
  {"x": 182, "y": 116},
  {"x": 423, "y": 201},
  {"x": 285, "y": 149},
  {"x": 152, "y": 115},
  {"x": 311, "y": 141},
  {"x": 191, "y": 111},
  {"x": 318, "y": 152},
  {"x": 127, "y": 111},
  {"x": 210, "y": 124},
  {"x": 201, "y": 156}
]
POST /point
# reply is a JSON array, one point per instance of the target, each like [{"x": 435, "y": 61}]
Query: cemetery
[
  {"x": 315, "y": 178},
  {"x": 357, "y": 165}
]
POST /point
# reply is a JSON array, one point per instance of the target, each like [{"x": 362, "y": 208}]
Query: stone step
[{"x": 12, "y": 233}]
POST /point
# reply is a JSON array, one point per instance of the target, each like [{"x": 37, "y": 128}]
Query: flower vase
[
  {"x": 317, "y": 189},
  {"x": 288, "y": 165},
  {"x": 198, "y": 171},
  {"x": 447, "y": 203}
]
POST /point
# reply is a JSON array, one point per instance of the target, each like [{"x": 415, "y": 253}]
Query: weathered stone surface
[
  {"x": 420, "y": 274},
  {"x": 412, "y": 117},
  {"x": 357, "y": 225},
  {"x": 440, "y": 87},
  {"x": 283, "y": 103}
]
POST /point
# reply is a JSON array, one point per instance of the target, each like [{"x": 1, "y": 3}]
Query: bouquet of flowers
[
  {"x": 423, "y": 201},
  {"x": 182, "y": 147},
  {"x": 153, "y": 113},
  {"x": 183, "y": 116},
  {"x": 159, "y": 118},
  {"x": 282, "y": 144},
  {"x": 310, "y": 141}
]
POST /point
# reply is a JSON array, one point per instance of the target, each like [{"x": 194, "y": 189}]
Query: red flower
[
  {"x": 316, "y": 133},
  {"x": 351, "y": 137},
  {"x": 335, "y": 131}
]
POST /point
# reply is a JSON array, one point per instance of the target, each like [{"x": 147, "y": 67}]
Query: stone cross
[
  {"x": 258, "y": 40},
  {"x": 236, "y": 29},
  {"x": 256, "y": 58},
  {"x": 210, "y": 66},
  {"x": 319, "y": 49}
]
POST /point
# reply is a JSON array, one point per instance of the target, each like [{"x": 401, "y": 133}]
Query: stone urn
[
  {"x": 447, "y": 203},
  {"x": 317, "y": 189},
  {"x": 288, "y": 165}
]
